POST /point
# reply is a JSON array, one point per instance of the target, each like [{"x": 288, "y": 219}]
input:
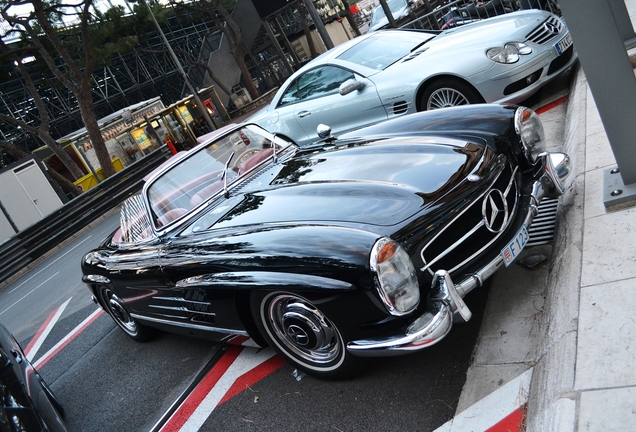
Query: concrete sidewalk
[{"x": 585, "y": 375}]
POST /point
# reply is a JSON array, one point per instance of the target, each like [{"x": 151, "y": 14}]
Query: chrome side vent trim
[{"x": 400, "y": 107}]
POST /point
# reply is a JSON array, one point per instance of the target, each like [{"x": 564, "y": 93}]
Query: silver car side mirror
[
  {"x": 323, "y": 131},
  {"x": 349, "y": 86}
]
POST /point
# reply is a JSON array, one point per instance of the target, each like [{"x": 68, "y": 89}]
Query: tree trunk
[
  {"x": 234, "y": 38},
  {"x": 95, "y": 134},
  {"x": 68, "y": 162},
  {"x": 349, "y": 15},
  {"x": 310, "y": 41},
  {"x": 251, "y": 87}
]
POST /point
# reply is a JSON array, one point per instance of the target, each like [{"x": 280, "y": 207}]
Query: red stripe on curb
[
  {"x": 238, "y": 340},
  {"x": 514, "y": 422},
  {"x": 552, "y": 104},
  {"x": 250, "y": 378},
  {"x": 181, "y": 416},
  {"x": 48, "y": 356}
]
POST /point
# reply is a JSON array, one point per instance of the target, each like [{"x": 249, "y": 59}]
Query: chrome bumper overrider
[{"x": 445, "y": 299}]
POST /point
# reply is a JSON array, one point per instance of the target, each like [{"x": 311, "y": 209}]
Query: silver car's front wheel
[
  {"x": 445, "y": 93},
  {"x": 302, "y": 334}
]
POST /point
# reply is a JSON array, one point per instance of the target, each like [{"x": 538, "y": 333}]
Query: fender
[{"x": 265, "y": 280}]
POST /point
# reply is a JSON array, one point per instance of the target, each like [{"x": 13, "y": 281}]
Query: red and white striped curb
[
  {"x": 501, "y": 411},
  {"x": 239, "y": 368}
]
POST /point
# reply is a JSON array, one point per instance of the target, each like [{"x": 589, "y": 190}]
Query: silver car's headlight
[
  {"x": 395, "y": 277},
  {"x": 509, "y": 53},
  {"x": 530, "y": 129}
]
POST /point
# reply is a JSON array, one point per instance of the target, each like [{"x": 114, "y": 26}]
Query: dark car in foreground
[
  {"x": 357, "y": 246},
  {"x": 27, "y": 403}
]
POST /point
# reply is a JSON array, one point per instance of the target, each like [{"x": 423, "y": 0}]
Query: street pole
[
  {"x": 610, "y": 77},
  {"x": 315, "y": 17},
  {"x": 388, "y": 13},
  {"x": 195, "y": 95}
]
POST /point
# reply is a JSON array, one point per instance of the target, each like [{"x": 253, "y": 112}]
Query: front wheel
[
  {"x": 116, "y": 309},
  {"x": 303, "y": 335},
  {"x": 448, "y": 92}
]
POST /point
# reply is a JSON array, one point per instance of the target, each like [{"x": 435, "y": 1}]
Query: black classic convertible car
[{"x": 361, "y": 245}]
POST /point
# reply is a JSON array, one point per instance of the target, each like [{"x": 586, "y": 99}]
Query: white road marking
[
  {"x": 50, "y": 264},
  {"x": 33, "y": 348},
  {"x": 246, "y": 361}
]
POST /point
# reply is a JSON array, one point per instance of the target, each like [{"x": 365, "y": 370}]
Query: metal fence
[
  {"x": 461, "y": 12},
  {"x": 33, "y": 242}
]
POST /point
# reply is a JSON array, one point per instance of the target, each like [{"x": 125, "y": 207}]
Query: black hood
[{"x": 378, "y": 183}]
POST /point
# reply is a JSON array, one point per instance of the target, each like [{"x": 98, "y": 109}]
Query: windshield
[
  {"x": 382, "y": 50},
  {"x": 378, "y": 13},
  {"x": 200, "y": 175}
]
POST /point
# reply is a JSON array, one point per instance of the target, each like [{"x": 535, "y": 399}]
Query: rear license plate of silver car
[
  {"x": 515, "y": 246},
  {"x": 564, "y": 44}
]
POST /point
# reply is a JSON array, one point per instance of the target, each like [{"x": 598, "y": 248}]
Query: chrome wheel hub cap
[
  {"x": 303, "y": 330},
  {"x": 121, "y": 315}
]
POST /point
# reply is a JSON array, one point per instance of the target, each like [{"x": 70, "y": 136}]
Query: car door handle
[{"x": 304, "y": 114}]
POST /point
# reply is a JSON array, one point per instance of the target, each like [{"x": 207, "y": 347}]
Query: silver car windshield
[
  {"x": 199, "y": 176},
  {"x": 381, "y": 52},
  {"x": 378, "y": 12}
]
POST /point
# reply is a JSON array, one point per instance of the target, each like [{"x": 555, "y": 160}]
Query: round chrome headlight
[
  {"x": 530, "y": 130},
  {"x": 508, "y": 54},
  {"x": 395, "y": 277}
]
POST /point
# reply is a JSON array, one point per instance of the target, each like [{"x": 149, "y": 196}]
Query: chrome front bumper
[{"x": 445, "y": 299}]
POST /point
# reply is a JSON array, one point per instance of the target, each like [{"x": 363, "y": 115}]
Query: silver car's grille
[
  {"x": 476, "y": 228},
  {"x": 545, "y": 31}
]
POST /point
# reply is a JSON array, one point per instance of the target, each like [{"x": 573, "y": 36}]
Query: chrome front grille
[
  {"x": 476, "y": 228},
  {"x": 545, "y": 31}
]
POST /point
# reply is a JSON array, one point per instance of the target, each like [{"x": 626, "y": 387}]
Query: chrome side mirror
[
  {"x": 323, "y": 131},
  {"x": 349, "y": 86}
]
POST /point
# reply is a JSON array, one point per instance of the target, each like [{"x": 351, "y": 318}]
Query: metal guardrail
[
  {"x": 432, "y": 20},
  {"x": 34, "y": 241}
]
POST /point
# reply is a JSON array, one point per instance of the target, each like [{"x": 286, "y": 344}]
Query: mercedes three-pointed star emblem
[
  {"x": 297, "y": 334},
  {"x": 494, "y": 209}
]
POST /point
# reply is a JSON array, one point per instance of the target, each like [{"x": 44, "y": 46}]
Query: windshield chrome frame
[{"x": 286, "y": 146}]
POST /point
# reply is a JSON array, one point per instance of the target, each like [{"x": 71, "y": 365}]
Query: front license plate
[
  {"x": 564, "y": 44},
  {"x": 516, "y": 245}
]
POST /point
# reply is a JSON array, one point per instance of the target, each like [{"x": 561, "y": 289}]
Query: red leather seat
[
  {"x": 171, "y": 215},
  {"x": 206, "y": 193},
  {"x": 254, "y": 160}
]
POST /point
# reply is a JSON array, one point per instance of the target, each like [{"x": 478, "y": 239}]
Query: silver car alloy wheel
[
  {"x": 446, "y": 97},
  {"x": 302, "y": 331}
]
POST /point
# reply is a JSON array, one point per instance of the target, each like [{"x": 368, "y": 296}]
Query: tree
[
  {"x": 231, "y": 31},
  {"x": 73, "y": 52},
  {"x": 310, "y": 40},
  {"x": 41, "y": 131}
]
